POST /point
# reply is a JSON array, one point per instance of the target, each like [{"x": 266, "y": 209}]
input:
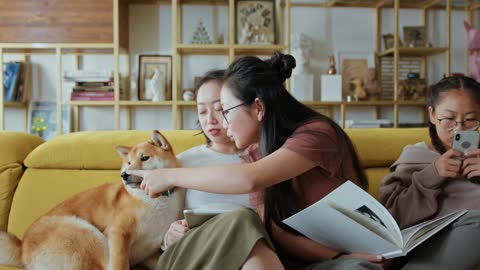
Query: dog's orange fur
[{"x": 111, "y": 226}]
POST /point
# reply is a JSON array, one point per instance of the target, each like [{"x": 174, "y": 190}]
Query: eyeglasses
[
  {"x": 225, "y": 112},
  {"x": 450, "y": 124}
]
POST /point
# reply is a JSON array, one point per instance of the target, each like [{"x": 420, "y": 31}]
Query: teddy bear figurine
[
  {"x": 372, "y": 86},
  {"x": 358, "y": 90}
]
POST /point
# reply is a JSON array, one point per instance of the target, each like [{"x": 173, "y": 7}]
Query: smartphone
[{"x": 464, "y": 140}]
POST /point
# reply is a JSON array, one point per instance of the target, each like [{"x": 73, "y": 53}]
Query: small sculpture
[
  {"x": 200, "y": 36},
  {"x": 302, "y": 46},
  {"x": 188, "y": 95},
  {"x": 331, "y": 68},
  {"x": 473, "y": 36},
  {"x": 133, "y": 86},
  {"x": 473, "y": 66},
  {"x": 157, "y": 86},
  {"x": 249, "y": 33},
  {"x": 372, "y": 85},
  {"x": 358, "y": 90}
]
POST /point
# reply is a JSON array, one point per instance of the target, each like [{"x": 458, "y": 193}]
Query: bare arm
[{"x": 279, "y": 166}]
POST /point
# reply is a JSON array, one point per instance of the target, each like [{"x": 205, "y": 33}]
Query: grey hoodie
[{"x": 414, "y": 192}]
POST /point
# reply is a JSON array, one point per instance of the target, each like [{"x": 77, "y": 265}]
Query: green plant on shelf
[{"x": 39, "y": 126}]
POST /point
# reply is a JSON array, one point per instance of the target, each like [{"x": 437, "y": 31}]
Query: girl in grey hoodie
[{"x": 432, "y": 179}]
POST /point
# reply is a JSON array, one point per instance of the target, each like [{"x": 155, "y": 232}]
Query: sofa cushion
[
  {"x": 380, "y": 147},
  {"x": 41, "y": 189},
  {"x": 15, "y": 146},
  {"x": 95, "y": 150}
]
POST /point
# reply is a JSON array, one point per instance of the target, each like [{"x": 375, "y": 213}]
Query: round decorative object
[
  {"x": 413, "y": 75},
  {"x": 188, "y": 95}
]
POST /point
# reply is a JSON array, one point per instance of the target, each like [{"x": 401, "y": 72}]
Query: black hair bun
[{"x": 282, "y": 64}]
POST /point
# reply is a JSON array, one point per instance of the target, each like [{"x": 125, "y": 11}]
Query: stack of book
[
  {"x": 96, "y": 85},
  {"x": 377, "y": 123},
  {"x": 14, "y": 82}
]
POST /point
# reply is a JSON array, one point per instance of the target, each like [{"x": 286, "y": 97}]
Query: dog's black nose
[{"x": 125, "y": 176}]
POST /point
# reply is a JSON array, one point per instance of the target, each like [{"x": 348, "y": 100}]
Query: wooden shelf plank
[
  {"x": 145, "y": 103},
  {"x": 322, "y": 103},
  {"x": 40, "y": 48},
  {"x": 257, "y": 49},
  {"x": 187, "y": 103},
  {"x": 15, "y": 104},
  {"x": 412, "y": 102},
  {"x": 405, "y": 4},
  {"x": 365, "y": 103},
  {"x": 203, "y": 49},
  {"x": 418, "y": 52}
]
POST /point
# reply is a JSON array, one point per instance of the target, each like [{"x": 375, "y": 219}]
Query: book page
[
  {"x": 330, "y": 227},
  {"x": 417, "y": 234},
  {"x": 368, "y": 220},
  {"x": 354, "y": 198}
]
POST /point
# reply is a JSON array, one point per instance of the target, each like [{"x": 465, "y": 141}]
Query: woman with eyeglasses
[
  {"x": 430, "y": 180},
  {"x": 255, "y": 250},
  {"x": 293, "y": 156}
]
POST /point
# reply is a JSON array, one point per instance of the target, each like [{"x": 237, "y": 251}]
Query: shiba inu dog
[{"x": 112, "y": 226}]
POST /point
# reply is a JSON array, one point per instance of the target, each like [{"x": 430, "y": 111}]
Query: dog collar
[{"x": 168, "y": 192}]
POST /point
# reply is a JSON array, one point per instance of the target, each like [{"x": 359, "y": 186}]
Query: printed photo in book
[
  {"x": 350, "y": 220},
  {"x": 42, "y": 119}
]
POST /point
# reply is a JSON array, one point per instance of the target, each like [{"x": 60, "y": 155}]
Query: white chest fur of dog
[{"x": 111, "y": 226}]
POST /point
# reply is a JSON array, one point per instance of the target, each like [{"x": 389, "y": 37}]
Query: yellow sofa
[{"x": 68, "y": 164}]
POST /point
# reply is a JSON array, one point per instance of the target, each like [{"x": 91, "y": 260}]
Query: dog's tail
[{"x": 10, "y": 250}]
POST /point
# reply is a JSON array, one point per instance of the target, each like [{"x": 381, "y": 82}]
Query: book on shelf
[
  {"x": 376, "y": 123},
  {"x": 42, "y": 119},
  {"x": 92, "y": 95},
  {"x": 85, "y": 76},
  {"x": 21, "y": 95},
  {"x": 12, "y": 78},
  {"x": 349, "y": 219}
]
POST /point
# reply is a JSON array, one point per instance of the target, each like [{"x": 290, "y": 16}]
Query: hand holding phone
[{"x": 464, "y": 140}]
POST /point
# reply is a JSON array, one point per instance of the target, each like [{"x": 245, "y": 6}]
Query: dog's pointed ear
[
  {"x": 160, "y": 141},
  {"x": 122, "y": 150}
]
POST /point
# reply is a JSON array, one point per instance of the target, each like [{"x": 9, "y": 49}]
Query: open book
[{"x": 351, "y": 220}]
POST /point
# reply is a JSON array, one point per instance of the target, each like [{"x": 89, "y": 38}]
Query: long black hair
[
  {"x": 448, "y": 84},
  {"x": 212, "y": 75},
  {"x": 250, "y": 77}
]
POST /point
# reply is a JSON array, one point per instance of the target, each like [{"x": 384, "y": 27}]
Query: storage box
[
  {"x": 331, "y": 88},
  {"x": 302, "y": 87}
]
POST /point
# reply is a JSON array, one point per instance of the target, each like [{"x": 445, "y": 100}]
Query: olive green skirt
[{"x": 222, "y": 242}]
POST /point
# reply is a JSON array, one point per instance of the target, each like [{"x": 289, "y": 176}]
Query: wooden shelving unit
[
  {"x": 396, "y": 52},
  {"x": 111, "y": 37}
]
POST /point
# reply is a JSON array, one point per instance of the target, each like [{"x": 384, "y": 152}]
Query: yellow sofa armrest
[{"x": 14, "y": 147}]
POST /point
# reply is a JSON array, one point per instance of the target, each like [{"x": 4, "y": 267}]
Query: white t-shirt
[{"x": 202, "y": 156}]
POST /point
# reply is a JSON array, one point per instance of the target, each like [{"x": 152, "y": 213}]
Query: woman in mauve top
[{"x": 294, "y": 156}]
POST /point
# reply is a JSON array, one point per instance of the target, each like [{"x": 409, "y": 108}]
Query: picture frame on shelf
[
  {"x": 42, "y": 119},
  {"x": 414, "y": 36},
  {"x": 388, "y": 41},
  {"x": 353, "y": 64},
  {"x": 255, "y": 22},
  {"x": 147, "y": 65}
]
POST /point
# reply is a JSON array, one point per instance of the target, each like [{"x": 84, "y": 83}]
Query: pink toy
[
  {"x": 473, "y": 36},
  {"x": 474, "y": 66}
]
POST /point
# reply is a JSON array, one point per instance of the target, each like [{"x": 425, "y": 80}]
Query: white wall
[{"x": 334, "y": 30}]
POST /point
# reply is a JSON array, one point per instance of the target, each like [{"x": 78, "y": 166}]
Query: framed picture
[
  {"x": 414, "y": 36},
  {"x": 353, "y": 64},
  {"x": 42, "y": 119},
  {"x": 388, "y": 40},
  {"x": 148, "y": 66},
  {"x": 255, "y": 22}
]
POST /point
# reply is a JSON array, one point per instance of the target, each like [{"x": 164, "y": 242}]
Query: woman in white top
[{"x": 218, "y": 150}]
